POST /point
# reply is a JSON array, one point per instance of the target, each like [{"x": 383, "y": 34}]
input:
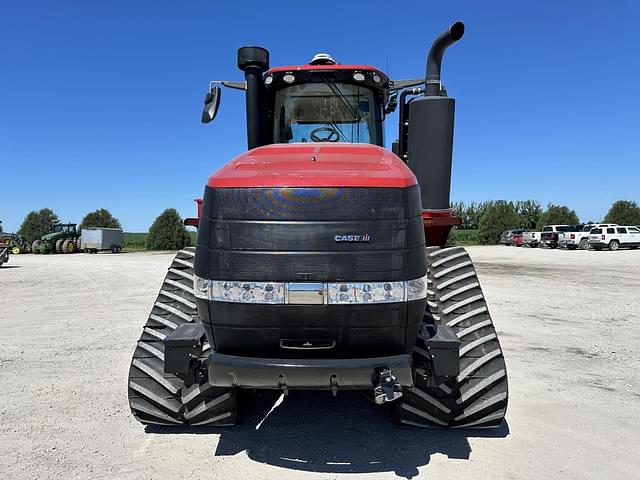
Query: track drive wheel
[
  {"x": 58, "y": 248},
  {"x": 162, "y": 398},
  {"x": 477, "y": 397},
  {"x": 35, "y": 247},
  {"x": 15, "y": 250}
]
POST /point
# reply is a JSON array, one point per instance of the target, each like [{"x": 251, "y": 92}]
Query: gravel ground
[{"x": 569, "y": 322}]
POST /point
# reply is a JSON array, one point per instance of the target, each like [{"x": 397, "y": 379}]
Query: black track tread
[
  {"x": 477, "y": 397},
  {"x": 159, "y": 398}
]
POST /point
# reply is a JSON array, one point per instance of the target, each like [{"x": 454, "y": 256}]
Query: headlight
[
  {"x": 201, "y": 287},
  {"x": 417, "y": 289},
  {"x": 340, "y": 293},
  {"x": 335, "y": 293},
  {"x": 248, "y": 292},
  {"x": 380, "y": 292}
]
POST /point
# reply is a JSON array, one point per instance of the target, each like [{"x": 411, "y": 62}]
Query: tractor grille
[{"x": 289, "y": 234}]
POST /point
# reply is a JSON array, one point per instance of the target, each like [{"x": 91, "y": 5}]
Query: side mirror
[{"x": 211, "y": 104}]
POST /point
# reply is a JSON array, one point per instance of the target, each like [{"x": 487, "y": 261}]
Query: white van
[{"x": 614, "y": 238}]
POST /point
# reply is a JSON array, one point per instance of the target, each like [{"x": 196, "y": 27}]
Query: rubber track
[
  {"x": 477, "y": 397},
  {"x": 160, "y": 398}
]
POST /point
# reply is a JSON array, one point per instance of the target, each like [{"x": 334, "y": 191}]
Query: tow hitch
[{"x": 386, "y": 387}]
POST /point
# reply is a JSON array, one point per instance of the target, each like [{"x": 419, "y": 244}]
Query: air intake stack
[
  {"x": 431, "y": 119},
  {"x": 254, "y": 61}
]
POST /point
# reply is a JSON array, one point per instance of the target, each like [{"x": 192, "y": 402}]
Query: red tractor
[{"x": 321, "y": 261}]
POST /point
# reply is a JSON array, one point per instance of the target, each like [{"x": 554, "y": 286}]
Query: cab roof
[{"x": 328, "y": 68}]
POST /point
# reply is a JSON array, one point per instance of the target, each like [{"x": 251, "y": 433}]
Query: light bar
[{"x": 333, "y": 293}]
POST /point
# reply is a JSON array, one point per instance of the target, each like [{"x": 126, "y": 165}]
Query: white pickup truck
[
  {"x": 579, "y": 239},
  {"x": 531, "y": 239}
]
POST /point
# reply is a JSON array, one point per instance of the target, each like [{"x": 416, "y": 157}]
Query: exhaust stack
[
  {"x": 254, "y": 61},
  {"x": 434, "y": 59},
  {"x": 431, "y": 119}
]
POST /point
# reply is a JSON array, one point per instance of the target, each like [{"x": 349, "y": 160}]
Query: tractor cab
[
  {"x": 326, "y": 103},
  {"x": 66, "y": 228}
]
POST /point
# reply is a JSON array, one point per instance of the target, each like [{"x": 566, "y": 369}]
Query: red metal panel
[
  {"x": 315, "y": 165},
  {"x": 194, "y": 222},
  {"x": 325, "y": 68},
  {"x": 437, "y": 225}
]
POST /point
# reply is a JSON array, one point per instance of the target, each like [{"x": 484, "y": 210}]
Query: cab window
[
  {"x": 611, "y": 230},
  {"x": 595, "y": 231},
  {"x": 326, "y": 112}
]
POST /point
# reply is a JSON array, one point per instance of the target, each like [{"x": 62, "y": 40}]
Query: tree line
[
  {"x": 492, "y": 217},
  {"x": 489, "y": 219},
  {"x": 167, "y": 232}
]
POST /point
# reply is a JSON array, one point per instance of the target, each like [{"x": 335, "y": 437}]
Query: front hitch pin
[
  {"x": 387, "y": 388},
  {"x": 282, "y": 384}
]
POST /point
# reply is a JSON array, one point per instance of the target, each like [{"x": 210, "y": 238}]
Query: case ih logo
[{"x": 364, "y": 238}]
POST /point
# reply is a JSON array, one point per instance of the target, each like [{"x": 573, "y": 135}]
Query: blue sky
[{"x": 100, "y": 101}]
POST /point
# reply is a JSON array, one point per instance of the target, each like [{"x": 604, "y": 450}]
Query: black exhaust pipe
[
  {"x": 254, "y": 61},
  {"x": 434, "y": 59},
  {"x": 431, "y": 118}
]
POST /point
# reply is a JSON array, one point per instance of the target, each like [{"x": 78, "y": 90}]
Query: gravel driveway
[{"x": 569, "y": 322}]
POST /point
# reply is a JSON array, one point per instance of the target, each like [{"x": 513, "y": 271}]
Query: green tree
[
  {"x": 168, "y": 232},
  {"x": 100, "y": 218},
  {"x": 557, "y": 215},
  {"x": 37, "y": 223},
  {"x": 623, "y": 212},
  {"x": 529, "y": 212},
  {"x": 498, "y": 217},
  {"x": 469, "y": 213}
]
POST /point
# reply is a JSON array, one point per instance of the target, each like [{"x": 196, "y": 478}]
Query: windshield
[{"x": 326, "y": 112}]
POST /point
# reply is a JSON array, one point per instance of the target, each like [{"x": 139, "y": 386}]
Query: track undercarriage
[{"x": 475, "y": 398}]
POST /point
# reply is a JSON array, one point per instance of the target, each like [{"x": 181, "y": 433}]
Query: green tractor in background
[
  {"x": 63, "y": 239},
  {"x": 16, "y": 243}
]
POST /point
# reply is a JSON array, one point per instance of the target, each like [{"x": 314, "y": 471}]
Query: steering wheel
[{"x": 333, "y": 134}]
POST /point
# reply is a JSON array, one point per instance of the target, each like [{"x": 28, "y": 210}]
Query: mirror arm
[
  {"x": 400, "y": 84},
  {"x": 228, "y": 84}
]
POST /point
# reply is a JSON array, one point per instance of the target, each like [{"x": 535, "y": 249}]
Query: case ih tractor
[{"x": 321, "y": 261}]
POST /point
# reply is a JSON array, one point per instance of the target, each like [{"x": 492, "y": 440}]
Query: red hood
[{"x": 315, "y": 165}]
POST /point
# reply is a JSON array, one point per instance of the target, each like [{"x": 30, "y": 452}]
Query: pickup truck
[
  {"x": 614, "y": 238},
  {"x": 507, "y": 236},
  {"x": 550, "y": 234},
  {"x": 580, "y": 238},
  {"x": 531, "y": 239}
]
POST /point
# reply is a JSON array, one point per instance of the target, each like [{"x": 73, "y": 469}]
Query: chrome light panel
[{"x": 308, "y": 293}]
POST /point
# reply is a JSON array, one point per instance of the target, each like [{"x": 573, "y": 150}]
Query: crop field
[
  {"x": 569, "y": 323},
  {"x": 136, "y": 240}
]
